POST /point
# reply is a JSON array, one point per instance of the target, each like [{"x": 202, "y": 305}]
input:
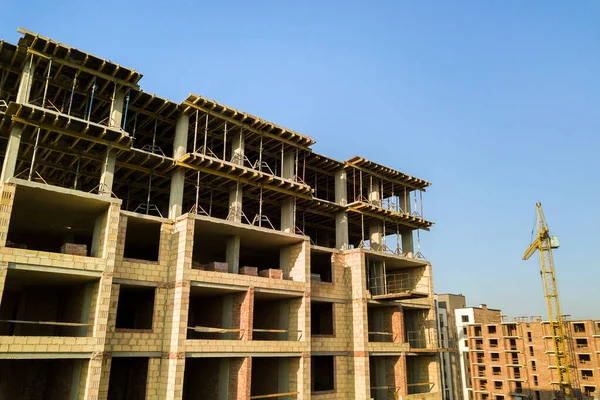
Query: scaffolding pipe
[
  {"x": 127, "y": 97},
  {"x": 134, "y": 125},
  {"x": 195, "y": 140},
  {"x": 46, "y": 84},
  {"x": 77, "y": 173},
  {"x": 260, "y": 204},
  {"x": 154, "y": 134},
  {"x": 91, "y": 98},
  {"x": 197, "y": 190},
  {"x": 37, "y": 138},
  {"x": 210, "y": 203},
  {"x": 73, "y": 92},
  {"x": 205, "y": 135},
  {"x": 421, "y": 202},
  {"x": 225, "y": 142},
  {"x": 149, "y": 191},
  {"x": 260, "y": 151}
]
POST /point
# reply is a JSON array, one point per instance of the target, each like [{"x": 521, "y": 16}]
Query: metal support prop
[
  {"x": 205, "y": 136},
  {"x": 73, "y": 92},
  {"x": 149, "y": 191},
  {"x": 91, "y": 98},
  {"x": 37, "y": 138},
  {"x": 210, "y": 203},
  {"x": 154, "y": 134},
  {"x": 195, "y": 140},
  {"x": 260, "y": 204},
  {"x": 134, "y": 125},
  {"x": 225, "y": 141},
  {"x": 421, "y": 202},
  {"x": 77, "y": 173},
  {"x": 260, "y": 151},
  {"x": 296, "y": 166},
  {"x": 197, "y": 190},
  {"x": 282, "y": 152},
  {"x": 127, "y": 97},
  {"x": 46, "y": 84}
]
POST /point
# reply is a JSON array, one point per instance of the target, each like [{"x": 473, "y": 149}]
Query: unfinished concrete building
[{"x": 153, "y": 249}]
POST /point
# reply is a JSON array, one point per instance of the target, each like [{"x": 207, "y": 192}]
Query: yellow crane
[{"x": 544, "y": 243}]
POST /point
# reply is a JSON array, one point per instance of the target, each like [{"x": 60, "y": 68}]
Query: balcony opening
[
  {"x": 510, "y": 330},
  {"x": 276, "y": 317},
  {"x": 218, "y": 314},
  {"x": 477, "y": 331},
  {"x": 395, "y": 283},
  {"x": 322, "y": 374},
  {"x": 579, "y": 327},
  {"x": 493, "y": 342},
  {"x": 587, "y": 374},
  {"x": 491, "y": 329},
  {"x": 495, "y": 356},
  {"x": 581, "y": 343},
  {"x": 417, "y": 374},
  {"x": 47, "y": 304},
  {"x": 42, "y": 379},
  {"x": 584, "y": 358},
  {"x": 135, "y": 309},
  {"x": 210, "y": 250},
  {"x": 128, "y": 377},
  {"x": 321, "y": 266},
  {"x": 272, "y": 376},
  {"x": 496, "y": 371},
  {"x": 497, "y": 385},
  {"x": 512, "y": 343},
  {"x": 214, "y": 378},
  {"x": 414, "y": 329},
  {"x": 481, "y": 371},
  {"x": 266, "y": 259},
  {"x": 589, "y": 390},
  {"x": 321, "y": 318},
  {"x": 385, "y": 323},
  {"x": 142, "y": 239},
  {"x": 57, "y": 221}
]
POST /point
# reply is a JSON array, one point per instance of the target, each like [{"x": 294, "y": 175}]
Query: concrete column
[
  {"x": 341, "y": 231},
  {"x": 408, "y": 246},
  {"x": 12, "y": 152},
  {"x": 178, "y": 176},
  {"x": 232, "y": 255},
  {"x": 288, "y": 166},
  {"x": 404, "y": 203},
  {"x": 376, "y": 235},
  {"x": 116, "y": 110},
  {"x": 288, "y": 209},
  {"x": 14, "y": 138},
  {"x": 375, "y": 193},
  {"x": 341, "y": 220},
  {"x": 237, "y": 148},
  {"x": 107, "y": 175},
  {"x": 235, "y": 203},
  {"x": 288, "y": 215}
]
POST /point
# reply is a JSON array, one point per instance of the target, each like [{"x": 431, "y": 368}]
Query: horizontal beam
[{"x": 91, "y": 71}]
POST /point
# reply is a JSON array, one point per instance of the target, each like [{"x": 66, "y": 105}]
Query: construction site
[{"x": 152, "y": 249}]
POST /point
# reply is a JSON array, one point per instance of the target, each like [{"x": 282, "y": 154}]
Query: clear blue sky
[{"x": 497, "y": 103}]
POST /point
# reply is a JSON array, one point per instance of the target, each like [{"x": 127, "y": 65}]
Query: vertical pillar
[
  {"x": 14, "y": 138},
  {"x": 240, "y": 372},
  {"x": 178, "y": 176},
  {"x": 235, "y": 203},
  {"x": 288, "y": 215},
  {"x": 408, "y": 247},
  {"x": 237, "y": 148},
  {"x": 232, "y": 255},
  {"x": 341, "y": 220},
  {"x": 108, "y": 168},
  {"x": 375, "y": 192},
  {"x": 288, "y": 206},
  {"x": 376, "y": 235}
]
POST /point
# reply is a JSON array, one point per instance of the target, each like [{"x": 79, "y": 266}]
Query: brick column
[
  {"x": 240, "y": 378},
  {"x": 7, "y": 197},
  {"x": 177, "y": 308},
  {"x": 244, "y": 302}
]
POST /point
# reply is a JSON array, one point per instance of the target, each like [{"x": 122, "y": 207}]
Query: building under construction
[{"x": 153, "y": 249}]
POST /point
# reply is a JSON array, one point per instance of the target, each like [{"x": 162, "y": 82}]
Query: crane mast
[{"x": 544, "y": 243}]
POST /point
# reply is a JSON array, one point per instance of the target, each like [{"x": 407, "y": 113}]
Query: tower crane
[{"x": 544, "y": 243}]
